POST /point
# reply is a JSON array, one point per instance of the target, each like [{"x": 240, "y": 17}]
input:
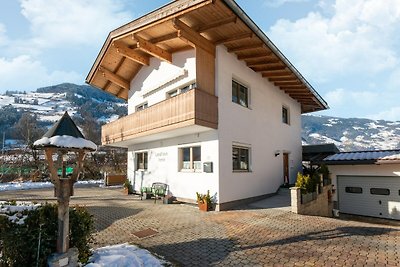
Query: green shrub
[
  {"x": 307, "y": 183},
  {"x": 20, "y": 241},
  {"x": 127, "y": 185}
]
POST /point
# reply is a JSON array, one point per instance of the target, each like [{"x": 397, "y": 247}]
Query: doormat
[{"x": 145, "y": 233}]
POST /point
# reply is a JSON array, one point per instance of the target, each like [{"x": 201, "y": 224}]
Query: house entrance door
[{"x": 285, "y": 168}]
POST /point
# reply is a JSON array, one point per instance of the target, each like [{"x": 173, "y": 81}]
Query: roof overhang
[{"x": 184, "y": 24}]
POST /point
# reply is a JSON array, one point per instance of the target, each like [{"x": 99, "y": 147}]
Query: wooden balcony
[{"x": 193, "y": 108}]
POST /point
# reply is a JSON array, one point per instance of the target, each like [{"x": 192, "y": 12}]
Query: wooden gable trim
[
  {"x": 129, "y": 53},
  {"x": 192, "y": 37},
  {"x": 114, "y": 78},
  {"x": 152, "y": 49}
]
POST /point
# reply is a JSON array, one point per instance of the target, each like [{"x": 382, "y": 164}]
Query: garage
[
  {"x": 367, "y": 182},
  {"x": 369, "y": 196}
]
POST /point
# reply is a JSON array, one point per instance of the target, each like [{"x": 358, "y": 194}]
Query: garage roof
[
  {"x": 175, "y": 26},
  {"x": 364, "y": 157}
]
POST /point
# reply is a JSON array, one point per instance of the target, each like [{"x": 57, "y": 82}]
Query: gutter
[{"x": 250, "y": 23}]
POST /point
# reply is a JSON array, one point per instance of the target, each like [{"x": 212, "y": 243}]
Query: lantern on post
[{"x": 58, "y": 143}]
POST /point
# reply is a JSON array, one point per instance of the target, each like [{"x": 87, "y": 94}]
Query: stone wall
[{"x": 321, "y": 206}]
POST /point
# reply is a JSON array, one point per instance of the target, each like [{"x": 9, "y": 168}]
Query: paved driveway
[{"x": 247, "y": 237}]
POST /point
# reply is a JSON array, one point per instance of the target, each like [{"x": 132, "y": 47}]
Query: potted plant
[
  {"x": 204, "y": 201},
  {"x": 128, "y": 187}
]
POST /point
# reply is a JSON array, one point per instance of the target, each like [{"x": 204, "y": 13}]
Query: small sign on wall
[{"x": 208, "y": 167}]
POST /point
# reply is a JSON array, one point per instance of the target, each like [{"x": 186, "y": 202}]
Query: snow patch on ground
[
  {"x": 123, "y": 255},
  {"x": 36, "y": 185}
]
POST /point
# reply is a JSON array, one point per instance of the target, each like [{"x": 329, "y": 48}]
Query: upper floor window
[
  {"x": 241, "y": 158},
  {"x": 141, "y": 160},
  {"x": 141, "y": 106},
  {"x": 285, "y": 115},
  {"x": 240, "y": 94},
  {"x": 190, "y": 158},
  {"x": 181, "y": 90}
]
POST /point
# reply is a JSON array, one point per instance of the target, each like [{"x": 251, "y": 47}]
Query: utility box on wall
[{"x": 208, "y": 167}]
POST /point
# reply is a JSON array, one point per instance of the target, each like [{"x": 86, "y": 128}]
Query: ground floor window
[
  {"x": 190, "y": 158},
  {"x": 141, "y": 160},
  {"x": 240, "y": 158}
]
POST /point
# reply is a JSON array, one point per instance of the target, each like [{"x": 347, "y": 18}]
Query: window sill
[
  {"x": 190, "y": 171},
  {"x": 241, "y": 171}
]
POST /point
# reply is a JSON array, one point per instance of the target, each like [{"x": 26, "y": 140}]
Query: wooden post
[{"x": 63, "y": 215}]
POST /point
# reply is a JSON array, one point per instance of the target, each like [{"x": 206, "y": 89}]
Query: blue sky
[{"x": 348, "y": 50}]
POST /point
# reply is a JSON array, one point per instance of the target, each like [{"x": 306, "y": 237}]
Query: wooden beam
[
  {"x": 237, "y": 37},
  {"x": 192, "y": 37},
  {"x": 262, "y": 63},
  {"x": 270, "y": 67},
  {"x": 254, "y": 56},
  {"x": 164, "y": 38},
  {"x": 125, "y": 51},
  {"x": 245, "y": 47},
  {"x": 291, "y": 87},
  {"x": 276, "y": 73},
  {"x": 114, "y": 78},
  {"x": 216, "y": 24},
  {"x": 283, "y": 78},
  {"x": 288, "y": 83},
  {"x": 152, "y": 49}
]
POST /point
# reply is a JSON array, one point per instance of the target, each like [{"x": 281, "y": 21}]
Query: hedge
[{"x": 20, "y": 241}]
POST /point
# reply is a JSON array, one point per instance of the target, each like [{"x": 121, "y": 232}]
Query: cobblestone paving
[{"x": 247, "y": 237}]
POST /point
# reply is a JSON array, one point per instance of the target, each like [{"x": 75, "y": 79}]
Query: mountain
[
  {"x": 351, "y": 134},
  {"x": 85, "y": 104},
  {"x": 91, "y": 108}
]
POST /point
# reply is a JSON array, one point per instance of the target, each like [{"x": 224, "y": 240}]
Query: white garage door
[{"x": 374, "y": 196}]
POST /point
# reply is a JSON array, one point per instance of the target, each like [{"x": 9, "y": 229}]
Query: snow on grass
[
  {"x": 36, "y": 185},
  {"x": 16, "y": 212},
  {"x": 123, "y": 255}
]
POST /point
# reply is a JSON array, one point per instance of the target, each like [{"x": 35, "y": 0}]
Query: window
[
  {"x": 141, "y": 161},
  {"x": 240, "y": 158},
  {"x": 141, "y": 106},
  {"x": 353, "y": 190},
  {"x": 240, "y": 94},
  {"x": 285, "y": 115},
  {"x": 379, "y": 191},
  {"x": 181, "y": 90},
  {"x": 191, "y": 158}
]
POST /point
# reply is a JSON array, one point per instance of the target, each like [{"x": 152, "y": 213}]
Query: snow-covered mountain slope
[{"x": 351, "y": 134}]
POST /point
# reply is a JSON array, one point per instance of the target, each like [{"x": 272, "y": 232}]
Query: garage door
[{"x": 375, "y": 196}]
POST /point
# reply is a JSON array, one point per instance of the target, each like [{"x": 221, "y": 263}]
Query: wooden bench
[
  {"x": 115, "y": 179},
  {"x": 156, "y": 190}
]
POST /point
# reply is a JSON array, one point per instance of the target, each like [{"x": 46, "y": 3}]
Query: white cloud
[
  {"x": 358, "y": 99},
  {"x": 25, "y": 73},
  {"x": 66, "y": 22},
  {"x": 278, "y": 3},
  {"x": 359, "y": 37}
]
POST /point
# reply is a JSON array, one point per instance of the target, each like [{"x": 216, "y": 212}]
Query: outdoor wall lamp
[{"x": 277, "y": 153}]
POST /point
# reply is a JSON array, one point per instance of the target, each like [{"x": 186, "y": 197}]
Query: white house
[{"x": 213, "y": 104}]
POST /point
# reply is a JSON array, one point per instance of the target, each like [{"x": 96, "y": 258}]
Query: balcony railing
[{"x": 194, "y": 107}]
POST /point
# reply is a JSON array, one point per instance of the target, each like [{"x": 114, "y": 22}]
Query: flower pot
[
  {"x": 203, "y": 206},
  {"x": 126, "y": 191}
]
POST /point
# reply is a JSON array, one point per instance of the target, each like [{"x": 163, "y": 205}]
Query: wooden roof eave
[{"x": 157, "y": 16}]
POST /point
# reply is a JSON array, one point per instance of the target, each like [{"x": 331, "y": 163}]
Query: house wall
[
  {"x": 153, "y": 82},
  {"x": 259, "y": 126},
  {"x": 362, "y": 170},
  {"x": 163, "y": 165}
]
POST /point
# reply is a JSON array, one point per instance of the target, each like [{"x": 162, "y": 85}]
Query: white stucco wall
[
  {"x": 362, "y": 170},
  {"x": 153, "y": 82},
  {"x": 259, "y": 126},
  {"x": 163, "y": 165}
]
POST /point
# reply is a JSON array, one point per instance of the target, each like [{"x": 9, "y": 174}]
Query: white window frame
[
  {"x": 142, "y": 106},
  {"x": 192, "y": 166},
  {"x": 182, "y": 89},
  {"x": 238, "y": 99},
  {"x": 287, "y": 114},
  {"x": 145, "y": 163},
  {"x": 248, "y": 148}
]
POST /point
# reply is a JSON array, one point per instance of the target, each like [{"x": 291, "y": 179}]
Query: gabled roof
[
  {"x": 64, "y": 134},
  {"x": 64, "y": 126},
  {"x": 364, "y": 157},
  {"x": 175, "y": 27}
]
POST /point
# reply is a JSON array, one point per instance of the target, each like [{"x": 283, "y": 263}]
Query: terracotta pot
[
  {"x": 126, "y": 191},
  {"x": 203, "y": 206}
]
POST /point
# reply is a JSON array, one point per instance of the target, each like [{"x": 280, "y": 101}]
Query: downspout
[{"x": 250, "y": 23}]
